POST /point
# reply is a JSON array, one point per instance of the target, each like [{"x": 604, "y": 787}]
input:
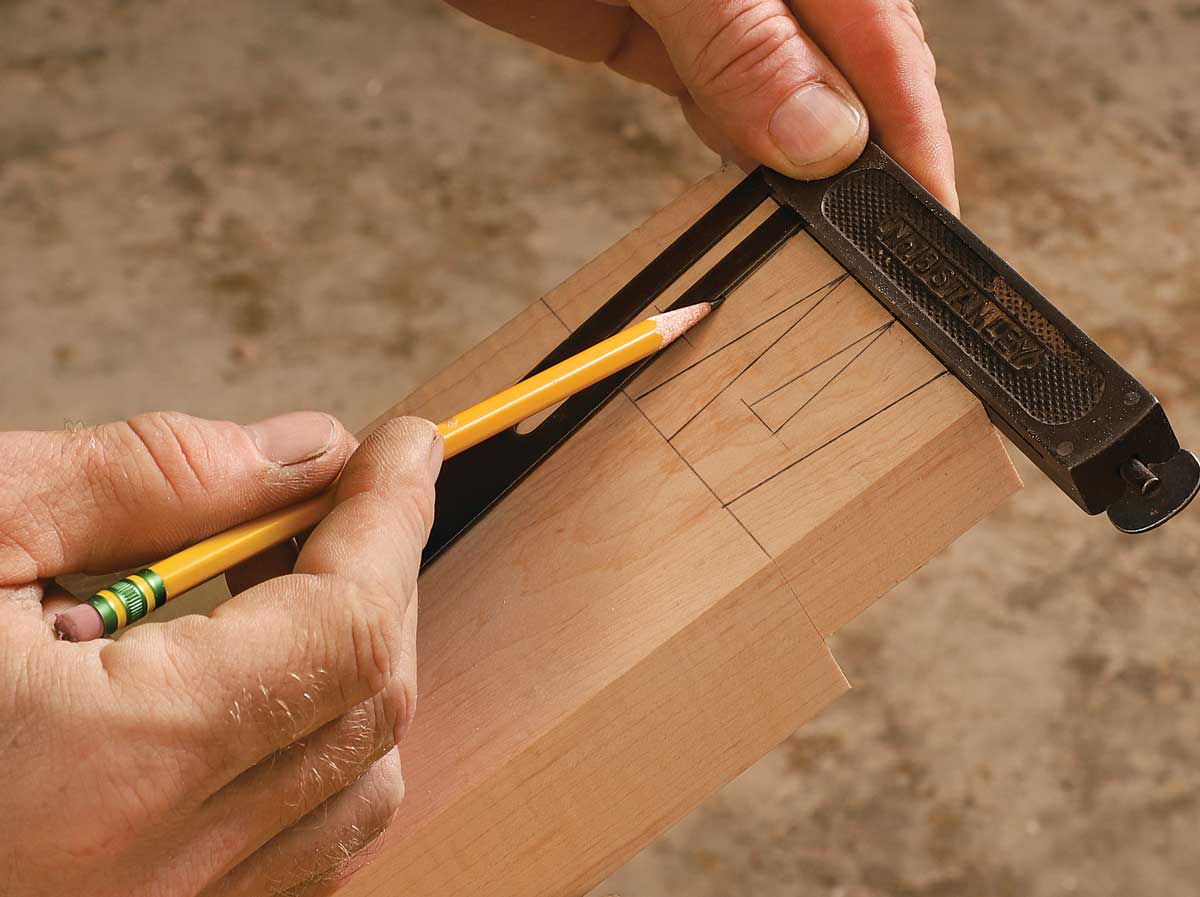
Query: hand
[
  {"x": 246, "y": 753},
  {"x": 787, "y": 83}
]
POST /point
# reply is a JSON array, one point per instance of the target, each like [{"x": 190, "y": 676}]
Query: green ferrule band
[
  {"x": 107, "y": 614},
  {"x": 133, "y": 599},
  {"x": 156, "y": 583}
]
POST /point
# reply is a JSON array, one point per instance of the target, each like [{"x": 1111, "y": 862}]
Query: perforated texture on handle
[{"x": 1022, "y": 352}]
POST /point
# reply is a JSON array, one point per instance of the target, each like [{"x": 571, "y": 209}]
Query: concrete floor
[{"x": 237, "y": 209}]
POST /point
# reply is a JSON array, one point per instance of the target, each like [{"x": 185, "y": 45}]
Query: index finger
[
  {"x": 283, "y": 658},
  {"x": 879, "y": 46}
]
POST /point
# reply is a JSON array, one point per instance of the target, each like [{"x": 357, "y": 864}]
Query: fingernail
[
  {"x": 813, "y": 124},
  {"x": 437, "y": 452},
  {"x": 292, "y": 438}
]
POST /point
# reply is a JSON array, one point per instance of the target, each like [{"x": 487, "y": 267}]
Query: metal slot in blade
[{"x": 472, "y": 482}]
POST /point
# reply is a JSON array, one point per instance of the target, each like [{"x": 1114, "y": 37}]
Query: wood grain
[{"x": 645, "y": 616}]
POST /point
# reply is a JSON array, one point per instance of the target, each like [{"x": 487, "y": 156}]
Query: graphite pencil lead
[{"x": 674, "y": 324}]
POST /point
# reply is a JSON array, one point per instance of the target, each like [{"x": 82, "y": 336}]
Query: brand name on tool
[{"x": 966, "y": 299}]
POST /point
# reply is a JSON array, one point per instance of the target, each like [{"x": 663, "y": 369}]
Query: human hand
[
  {"x": 787, "y": 83},
  {"x": 246, "y": 753}
]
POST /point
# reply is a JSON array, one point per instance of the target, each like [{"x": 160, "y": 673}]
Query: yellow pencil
[{"x": 131, "y": 598}]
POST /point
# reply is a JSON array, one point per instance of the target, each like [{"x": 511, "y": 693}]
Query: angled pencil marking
[
  {"x": 766, "y": 351},
  {"x": 825, "y": 360},
  {"x": 857, "y": 355},
  {"x": 833, "y": 284},
  {"x": 834, "y": 439}
]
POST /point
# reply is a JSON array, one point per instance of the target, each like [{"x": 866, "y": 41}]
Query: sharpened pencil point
[
  {"x": 716, "y": 303},
  {"x": 674, "y": 324}
]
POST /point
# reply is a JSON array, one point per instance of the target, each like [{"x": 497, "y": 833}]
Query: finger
[
  {"x": 384, "y": 509},
  {"x": 286, "y": 657},
  {"x": 584, "y": 30},
  {"x": 128, "y": 492},
  {"x": 879, "y": 45},
  {"x": 277, "y": 792},
  {"x": 21, "y": 606},
  {"x": 765, "y": 84},
  {"x": 318, "y": 854},
  {"x": 642, "y": 56},
  {"x": 714, "y": 138}
]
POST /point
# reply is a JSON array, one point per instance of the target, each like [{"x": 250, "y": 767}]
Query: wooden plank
[{"x": 644, "y": 617}]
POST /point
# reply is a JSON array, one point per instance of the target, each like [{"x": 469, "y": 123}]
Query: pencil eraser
[{"x": 82, "y": 623}]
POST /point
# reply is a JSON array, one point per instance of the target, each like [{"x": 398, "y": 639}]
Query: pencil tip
[
  {"x": 673, "y": 324},
  {"x": 716, "y": 303}
]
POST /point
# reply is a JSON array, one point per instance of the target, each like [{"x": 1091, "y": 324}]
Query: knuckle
[
  {"x": 379, "y": 723},
  {"x": 373, "y": 630},
  {"x": 170, "y": 449},
  {"x": 357, "y": 741},
  {"x": 346, "y": 847},
  {"x": 363, "y": 734},
  {"x": 348, "y": 642},
  {"x": 747, "y": 50}
]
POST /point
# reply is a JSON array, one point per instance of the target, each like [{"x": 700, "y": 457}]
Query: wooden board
[{"x": 645, "y": 616}]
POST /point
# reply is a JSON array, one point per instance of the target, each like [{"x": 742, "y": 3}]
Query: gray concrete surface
[{"x": 236, "y": 209}]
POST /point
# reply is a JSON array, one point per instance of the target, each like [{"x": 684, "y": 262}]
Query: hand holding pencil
[
  {"x": 133, "y": 597},
  {"x": 182, "y": 756},
  {"x": 197, "y": 757}
]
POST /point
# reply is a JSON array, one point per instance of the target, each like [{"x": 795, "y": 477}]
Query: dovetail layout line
[
  {"x": 487, "y": 359},
  {"x": 834, "y": 439},
  {"x": 766, "y": 426},
  {"x": 830, "y": 286},
  {"x": 728, "y": 510},
  {"x": 750, "y": 408},
  {"x": 550, "y": 309},
  {"x": 850, "y": 345},
  {"x": 872, "y": 336},
  {"x": 857, "y": 355}
]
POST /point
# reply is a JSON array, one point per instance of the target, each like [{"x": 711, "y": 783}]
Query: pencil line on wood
[
  {"x": 824, "y": 360},
  {"x": 550, "y": 309},
  {"x": 750, "y": 408},
  {"x": 859, "y": 354},
  {"x": 454, "y": 384},
  {"x": 833, "y": 284},
  {"x": 829, "y": 442},
  {"x": 774, "y": 563},
  {"x": 757, "y": 358},
  {"x": 677, "y": 452}
]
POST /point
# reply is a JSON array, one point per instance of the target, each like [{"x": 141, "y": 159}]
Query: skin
[
  {"x": 733, "y": 63},
  {"x": 253, "y": 752},
  {"x": 246, "y": 753}
]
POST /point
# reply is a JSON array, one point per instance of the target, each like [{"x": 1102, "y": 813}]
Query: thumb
[
  {"x": 111, "y": 496},
  {"x": 760, "y": 80}
]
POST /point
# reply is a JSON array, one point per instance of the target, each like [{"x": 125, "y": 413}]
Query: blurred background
[{"x": 236, "y": 209}]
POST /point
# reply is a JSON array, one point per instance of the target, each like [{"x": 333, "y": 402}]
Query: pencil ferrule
[
  {"x": 105, "y": 602},
  {"x": 152, "y": 587},
  {"x": 133, "y": 599}
]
